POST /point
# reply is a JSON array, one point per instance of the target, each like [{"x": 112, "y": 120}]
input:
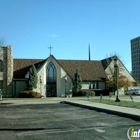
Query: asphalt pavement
[{"x": 65, "y": 119}]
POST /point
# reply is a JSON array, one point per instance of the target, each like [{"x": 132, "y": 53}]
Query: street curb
[{"x": 123, "y": 114}]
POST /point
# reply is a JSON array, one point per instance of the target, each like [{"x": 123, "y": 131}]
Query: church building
[{"x": 54, "y": 76}]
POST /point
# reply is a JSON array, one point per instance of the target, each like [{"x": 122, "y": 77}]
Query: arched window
[
  {"x": 1, "y": 66},
  {"x": 51, "y": 73}
]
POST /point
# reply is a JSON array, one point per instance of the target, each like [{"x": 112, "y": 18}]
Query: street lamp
[
  {"x": 116, "y": 74},
  {"x": 65, "y": 84}
]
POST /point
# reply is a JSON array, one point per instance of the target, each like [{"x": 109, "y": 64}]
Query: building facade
[
  {"x": 135, "y": 57},
  {"x": 55, "y": 77}
]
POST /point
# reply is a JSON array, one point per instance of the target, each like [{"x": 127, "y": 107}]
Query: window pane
[
  {"x": 51, "y": 73},
  {"x": 1, "y": 84},
  {"x": 1, "y": 66}
]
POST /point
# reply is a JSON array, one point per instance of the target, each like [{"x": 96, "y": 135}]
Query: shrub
[
  {"x": 29, "y": 94},
  {"x": 84, "y": 92},
  {"x": 92, "y": 93}
]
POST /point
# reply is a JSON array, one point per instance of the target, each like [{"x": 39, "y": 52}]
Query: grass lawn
[{"x": 121, "y": 103}]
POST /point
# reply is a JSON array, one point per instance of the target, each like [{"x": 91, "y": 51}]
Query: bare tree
[
  {"x": 123, "y": 81},
  {"x": 114, "y": 54},
  {"x": 2, "y": 41}
]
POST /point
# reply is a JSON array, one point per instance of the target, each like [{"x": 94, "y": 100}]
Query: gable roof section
[
  {"x": 21, "y": 66},
  {"x": 89, "y": 70},
  {"x": 107, "y": 61}
]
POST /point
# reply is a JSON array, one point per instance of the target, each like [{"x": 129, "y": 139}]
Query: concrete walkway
[{"x": 117, "y": 110}]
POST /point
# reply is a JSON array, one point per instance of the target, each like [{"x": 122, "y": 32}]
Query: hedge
[{"x": 30, "y": 94}]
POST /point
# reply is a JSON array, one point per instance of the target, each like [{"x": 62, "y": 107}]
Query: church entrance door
[{"x": 51, "y": 87}]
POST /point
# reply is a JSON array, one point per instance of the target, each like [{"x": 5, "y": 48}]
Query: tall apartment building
[{"x": 135, "y": 57}]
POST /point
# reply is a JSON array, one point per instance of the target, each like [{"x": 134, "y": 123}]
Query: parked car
[
  {"x": 137, "y": 92},
  {"x": 133, "y": 92}
]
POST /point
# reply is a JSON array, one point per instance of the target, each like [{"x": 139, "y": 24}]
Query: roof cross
[{"x": 50, "y": 49}]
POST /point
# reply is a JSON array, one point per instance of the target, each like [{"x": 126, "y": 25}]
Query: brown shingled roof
[
  {"x": 89, "y": 70},
  {"x": 21, "y": 66}
]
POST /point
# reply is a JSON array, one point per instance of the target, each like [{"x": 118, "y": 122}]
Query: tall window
[
  {"x": 51, "y": 73},
  {"x": 1, "y": 84},
  {"x": 1, "y": 66}
]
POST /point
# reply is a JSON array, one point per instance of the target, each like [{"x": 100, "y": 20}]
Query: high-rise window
[{"x": 135, "y": 56}]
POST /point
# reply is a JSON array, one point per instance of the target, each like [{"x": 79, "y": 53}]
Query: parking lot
[{"x": 56, "y": 121}]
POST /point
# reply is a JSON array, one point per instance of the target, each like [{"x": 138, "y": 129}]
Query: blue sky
[{"x": 69, "y": 26}]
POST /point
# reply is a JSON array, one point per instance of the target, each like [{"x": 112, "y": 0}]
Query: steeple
[{"x": 89, "y": 52}]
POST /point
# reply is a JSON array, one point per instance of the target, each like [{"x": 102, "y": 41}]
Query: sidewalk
[{"x": 117, "y": 110}]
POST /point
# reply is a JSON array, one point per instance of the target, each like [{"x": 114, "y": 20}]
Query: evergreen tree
[
  {"x": 77, "y": 82},
  {"x": 32, "y": 81}
]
